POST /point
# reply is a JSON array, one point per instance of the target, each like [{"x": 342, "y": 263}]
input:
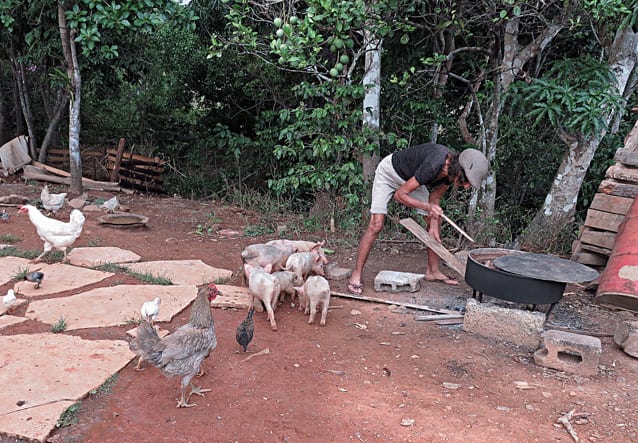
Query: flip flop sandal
[{"x": 355, "y": 288}]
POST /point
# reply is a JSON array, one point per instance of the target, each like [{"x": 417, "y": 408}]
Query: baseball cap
[{"x": 474, "y": 165}]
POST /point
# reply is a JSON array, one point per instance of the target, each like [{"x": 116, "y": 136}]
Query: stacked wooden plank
[
  {"x": 136, "y": 171},
  {"x": 91, "y": 160},
  {"x": 615, "y": 195}
]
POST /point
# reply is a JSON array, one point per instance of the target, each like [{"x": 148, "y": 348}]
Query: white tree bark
[
  {"x": 560, "y": 203},
  {"x": 371, "y": 101}
]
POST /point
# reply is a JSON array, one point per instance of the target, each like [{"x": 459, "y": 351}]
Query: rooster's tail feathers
[{"x": 149, "y": 342}]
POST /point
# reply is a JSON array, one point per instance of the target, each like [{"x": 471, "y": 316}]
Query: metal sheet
[{"x": 545, "y": 267}]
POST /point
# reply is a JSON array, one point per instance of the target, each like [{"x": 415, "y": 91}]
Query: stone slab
[
  {"x": 19, "y": 302},
  {"x": 92, "y": 257},
  {"x": 59, "y": 277},
  {"x": 235, "y": 297},
  {"x": 68, "y": 368},
  {"x": 111, "y": 306},
  {"x": 395, "y": 281},
  {"x": 182, "y": 272},
  {"x": 336, "y": 272},
  {"x": 10, "y": 266},
  {"x": 8, "y": 320}
]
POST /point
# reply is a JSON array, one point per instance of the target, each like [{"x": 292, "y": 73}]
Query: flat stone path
[{"x": 43, "y": 374}]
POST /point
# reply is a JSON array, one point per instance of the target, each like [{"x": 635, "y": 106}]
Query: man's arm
[
  {"x": 434, "y": 225},
  {"x": 402, "y": 195}
]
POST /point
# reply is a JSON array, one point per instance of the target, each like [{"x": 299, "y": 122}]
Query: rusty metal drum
[{"x": 618, "y": 285}]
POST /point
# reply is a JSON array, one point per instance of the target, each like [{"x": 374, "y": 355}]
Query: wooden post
[{"x": 115, "y": 173}]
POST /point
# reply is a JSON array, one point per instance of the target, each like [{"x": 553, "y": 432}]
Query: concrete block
[
  {"x": 569, "y": 352},
  {"x": 522, "y": 328},
  {"x": 626, "y": 336},
  {"x": 394, "y": 281}
]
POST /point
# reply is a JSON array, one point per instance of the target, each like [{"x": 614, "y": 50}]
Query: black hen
[
  {"x": 245, "y": 330},
  {"x": 35, "y": 277}
]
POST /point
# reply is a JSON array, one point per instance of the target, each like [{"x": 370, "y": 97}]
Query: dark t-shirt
[{"x": 423, "y": 162}]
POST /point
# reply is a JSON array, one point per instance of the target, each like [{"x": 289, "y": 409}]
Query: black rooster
[{"x": 245, "y": 330}]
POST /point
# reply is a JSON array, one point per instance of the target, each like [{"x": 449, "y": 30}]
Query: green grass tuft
[{"x": 59, "y": 326}]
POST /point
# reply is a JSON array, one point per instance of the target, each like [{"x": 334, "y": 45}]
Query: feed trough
[
  {"x": 123, "y": 220},
  {"x": 522, "y": 277}
]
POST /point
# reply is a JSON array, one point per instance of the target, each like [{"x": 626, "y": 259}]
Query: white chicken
[
  {"x": 9, "y": 299},
  {"x": 150, "y": 309},
  {"x": 54, "y": 233},
  {"x": 51, "y": 202},
  {"x": 111, "y": 204}
]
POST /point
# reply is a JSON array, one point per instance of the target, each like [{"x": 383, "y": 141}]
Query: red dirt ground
[{"x": 369, "y": 375}]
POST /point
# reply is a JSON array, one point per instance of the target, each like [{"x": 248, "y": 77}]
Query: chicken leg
[{"x": 183, "y": 401}]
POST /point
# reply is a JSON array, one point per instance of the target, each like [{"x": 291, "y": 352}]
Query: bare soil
[{"x": 372, "y": 374}]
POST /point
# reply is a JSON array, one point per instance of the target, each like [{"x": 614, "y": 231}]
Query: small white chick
[
  {"x": 9, "y": 299},
  {"x": 150, "y": 309},
  {"x": 111, "y": 204}
]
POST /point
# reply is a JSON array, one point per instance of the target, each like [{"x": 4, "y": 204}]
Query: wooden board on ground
[
  {"x": 431, "y": 243},
  {"x": 392, "y": 302},
  {"x": 611, "y": 203},
  {"x": 438, "y": 317},
  {"x": 235, "y": 297},
  {"x": 31, "y": 172}
]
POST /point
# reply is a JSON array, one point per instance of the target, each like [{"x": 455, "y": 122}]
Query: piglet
[
  {"x": 265, "y": 287},
  {"x": 303, "y": 246},
  {"x": 287, "y": 281},
  {"x": 304, "y": 264},
  {"x": 262, "y": 255},
  {"x": 315, "y": 291}
]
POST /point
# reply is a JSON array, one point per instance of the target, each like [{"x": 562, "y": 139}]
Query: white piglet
[
  {"x": 265, "y": 287},
  {"x": 315, "y": 291},
  {"x": 287, "y": 282},
  {"x": 304, "y": 263}
]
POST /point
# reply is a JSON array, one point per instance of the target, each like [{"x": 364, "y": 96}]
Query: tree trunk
[
  {"x": 371, "y": 111},
  {"x": 560, "y": 204},
  {"x": 73, "y": 72},
  {"x": 513, "y": 59},
  {"x": 25, "y": 101},
  {"x": 62, "y": 101}
]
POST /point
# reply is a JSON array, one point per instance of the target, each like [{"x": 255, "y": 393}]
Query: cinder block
[
  {"x": 566, "y": 351},
  {"x": 522, "y": 328},
  {"x": 397, "y": 281}
]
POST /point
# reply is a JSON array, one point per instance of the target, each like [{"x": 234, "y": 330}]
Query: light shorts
[{"x": 386, "y": 182}]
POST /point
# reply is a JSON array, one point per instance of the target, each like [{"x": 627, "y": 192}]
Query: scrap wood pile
[
  {"x": 120, "y": 168},
  {"x": 609, "y": 206}
]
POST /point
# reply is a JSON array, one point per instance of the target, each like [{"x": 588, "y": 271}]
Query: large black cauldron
[{"x": 483, "y": 277}]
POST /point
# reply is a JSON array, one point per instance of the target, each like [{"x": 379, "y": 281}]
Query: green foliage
[
  {"x": 9, "y": 238},
  {"x": 69, "y": 416},
  {"x": 578, "y": 103},
  {"x": 12, "y": 251},
  {"x": 107, "y": 386},
  {"x": 59, "y": 326},
  {"x": 150, "y": 278},
  {"x": 257, "y": 230}
]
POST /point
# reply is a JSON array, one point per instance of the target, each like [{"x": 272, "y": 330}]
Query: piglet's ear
[{"x": 268, "y": 268}]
